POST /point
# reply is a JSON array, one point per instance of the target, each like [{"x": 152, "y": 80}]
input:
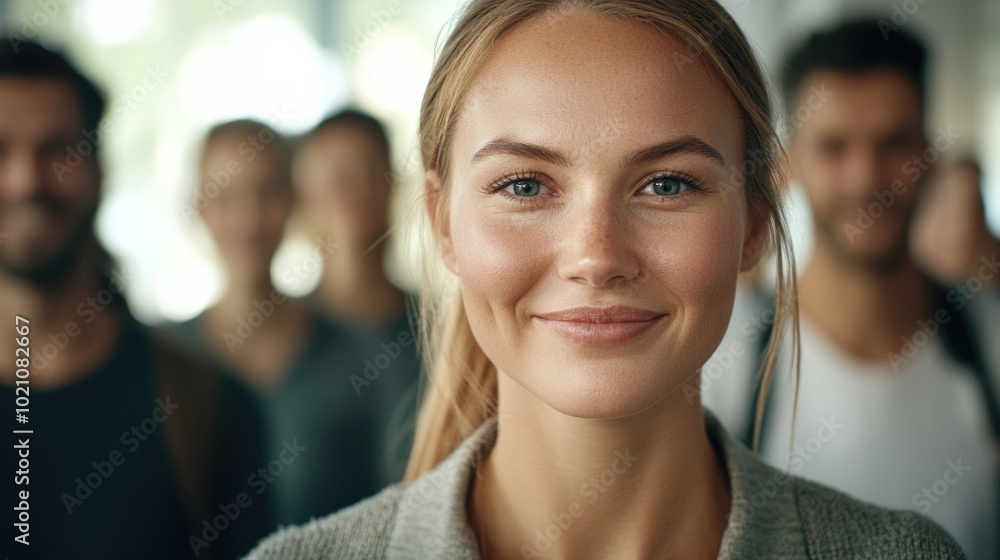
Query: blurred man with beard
[
  {"x": 896, "y": 401},
  {"x": 128, "y": 448}
]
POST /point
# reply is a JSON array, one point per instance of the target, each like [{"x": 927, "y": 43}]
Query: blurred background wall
[{"x": 172, "y": 68}]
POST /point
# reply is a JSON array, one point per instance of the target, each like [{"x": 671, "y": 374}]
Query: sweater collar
[{"x": 431, "y": 521}]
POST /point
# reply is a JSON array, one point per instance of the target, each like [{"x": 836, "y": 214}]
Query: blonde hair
[{"x": 462, "y": 390}]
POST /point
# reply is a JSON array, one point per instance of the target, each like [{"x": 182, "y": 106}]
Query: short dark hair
[
  {"x": 354, "y": 117},
  {"x": 276, "y": 143},
  {"x": 856, "y": 47},
  {"x": 28, "y": 59}
]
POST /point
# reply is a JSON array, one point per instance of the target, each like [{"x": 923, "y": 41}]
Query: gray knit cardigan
[{"x": 772, "y": 516}]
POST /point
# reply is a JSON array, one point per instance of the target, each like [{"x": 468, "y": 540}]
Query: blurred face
[
  {"x": 951, "y": 225},
  {"x": 343, "y": 177},
  {"x": 859, "y": 157},
  {"x": 956, "y": 209},
  {"x": 591, "y": 216},
  {"x": 247, "y": 217},
  {"x": 48, "y": 191}
]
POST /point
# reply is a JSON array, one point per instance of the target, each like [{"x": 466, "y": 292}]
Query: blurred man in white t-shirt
[{"x": 897, "y": 401}]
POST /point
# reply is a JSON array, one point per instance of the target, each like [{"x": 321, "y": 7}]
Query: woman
[{"x": 598, "y": 174}]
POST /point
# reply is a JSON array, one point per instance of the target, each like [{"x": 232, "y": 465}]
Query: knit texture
[{"x": 772, "y": 516}]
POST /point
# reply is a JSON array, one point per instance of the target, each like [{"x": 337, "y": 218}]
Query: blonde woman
[{"x": 598, "y": 173}]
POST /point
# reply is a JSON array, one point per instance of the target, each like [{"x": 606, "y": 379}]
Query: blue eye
[
  {"x": 667, "y": 186},
  {"x": 525, "y": 187}
]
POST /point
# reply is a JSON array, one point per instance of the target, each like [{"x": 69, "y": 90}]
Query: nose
[
  {"x": 863, "y": 172},
  {"x": 598, "y": 249},
  {"x": 248, "y": 214},
  {"x": 20, "y": 175}
]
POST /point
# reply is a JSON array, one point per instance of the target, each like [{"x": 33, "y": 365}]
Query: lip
[{"x": 601, "y": 326}]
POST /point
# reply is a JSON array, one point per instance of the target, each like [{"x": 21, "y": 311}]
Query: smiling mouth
[{"x": 609, "y": 326}]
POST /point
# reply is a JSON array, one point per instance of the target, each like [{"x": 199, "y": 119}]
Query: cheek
[
  {"x": 81, "y": 186},
  {"x": 822, "y": 193},
  {"x": 818, "y": 177},
  {"x": 317, "y": 210},
  {"x": 276, "y": 216},
  {"x": 499, "y": 262},
  {"x": 699, "y": 264}
]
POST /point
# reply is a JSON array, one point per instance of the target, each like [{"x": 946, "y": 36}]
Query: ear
[
  {"x": 753, "y": 246},
  {"x": 439, "y": 221}
]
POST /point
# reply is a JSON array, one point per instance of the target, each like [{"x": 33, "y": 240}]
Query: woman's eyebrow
[
  {"x": 682, "y": 145},
  {"x": 504, "y": 146}
]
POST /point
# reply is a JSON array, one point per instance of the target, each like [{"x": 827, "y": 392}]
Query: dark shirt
[
  {"x": 349, "y": 399},
  {"x": 101, "y": 482}
]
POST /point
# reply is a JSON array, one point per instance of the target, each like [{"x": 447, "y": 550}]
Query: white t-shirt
[{"x": 917, "y": 438}]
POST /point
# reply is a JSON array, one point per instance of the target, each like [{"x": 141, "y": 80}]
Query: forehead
[
  {"x": 38, "y": 107},
  {"x": 572, "y": 78},
  {"x": 345, "y": 139},
  {"x": 869, "y": 102},
  {"x": 233, "y": 149}
]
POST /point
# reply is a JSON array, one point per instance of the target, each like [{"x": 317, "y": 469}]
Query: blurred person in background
[
  {"x": 344, "y": 180},
  {"x": 897, "y": 401},
  {"x": 137, "y": 448},
  {"x": 951, "y": 240},
  {"x": 307, "y": 370},
  {"x": 245, "y": 198}
]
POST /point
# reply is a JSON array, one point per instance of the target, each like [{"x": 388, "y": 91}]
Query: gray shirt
[{"x": 772, "y": 516}]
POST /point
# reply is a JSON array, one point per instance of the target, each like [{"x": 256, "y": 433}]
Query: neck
[
  {"x": 354, "y": 287},
  {"x": 256, "y": 302},
  {"x": 864, "y": 311},
  {"x": 73, "y": 328},
  {"x": 607, "y": 485},
  {"x": 241, "y": 293}
]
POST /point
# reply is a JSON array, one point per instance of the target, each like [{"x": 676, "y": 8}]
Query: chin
[
  {"x": 878, "y": 256},
  {"x": 601, "y": 391}
]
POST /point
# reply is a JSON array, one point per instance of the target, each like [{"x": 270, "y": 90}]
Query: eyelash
[
  {"x": 500, "y": 185},
  {"x": 507, "y": 180}
]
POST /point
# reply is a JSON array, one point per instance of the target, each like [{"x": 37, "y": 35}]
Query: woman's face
[{"x": 592, "y": 169}]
